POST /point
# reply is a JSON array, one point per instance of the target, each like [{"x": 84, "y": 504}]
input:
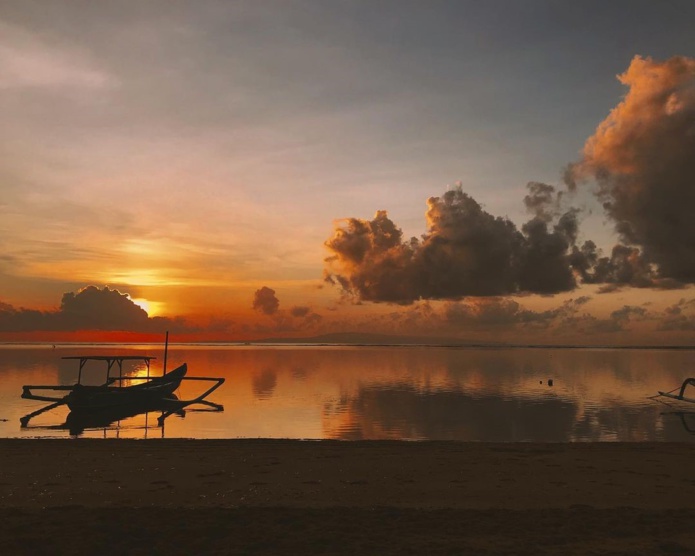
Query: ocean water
[{"x": 381, "y": 392}]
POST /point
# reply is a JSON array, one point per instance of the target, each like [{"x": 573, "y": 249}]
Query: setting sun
[{"x": 152, "y": 308}]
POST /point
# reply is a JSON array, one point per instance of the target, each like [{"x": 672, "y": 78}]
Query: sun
[{"x": 152, "y": 308}]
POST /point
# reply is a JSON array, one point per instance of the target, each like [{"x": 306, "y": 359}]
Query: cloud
[
  {"x": 19, "y": 320},
  {"x": 26, "y": 61},
  {"x": 493, "y": 312},
  {"x": 265, "y": 301},
  {"x": 90, "y": 308},
  {"x": 466, "y": 251},
  {"x": 626, "y": 266},
  {"x": 304, "y": 316},
  {"x": 618, "y": 321},
  {"x": 478, "y": 319},
  {"x": 642, "y": 157},
  {"x": 101, "y": 309},
  {"x": 680, "y": 316},
  {"x": 300, "y": 311},
  {"x": 297, "y": 318}
]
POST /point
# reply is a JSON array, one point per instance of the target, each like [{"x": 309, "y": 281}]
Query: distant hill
[{"x": 367, "y": 339}]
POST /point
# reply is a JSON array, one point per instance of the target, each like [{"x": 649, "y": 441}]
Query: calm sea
[{"x": 351, "y": 393}]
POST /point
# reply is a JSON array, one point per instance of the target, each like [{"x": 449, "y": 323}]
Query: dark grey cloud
[
  {"x": 300, "y": 311},
  {"x": 304, "y": 316},
  {"x": 626, "y": 266},
  {"x": 642, "y": 157},
  {"x": 20, "y": 319},
  {"x": 466, "y": 251},
  {"x": 101, "y": 309},
  {"x": 265, "y": 301}
]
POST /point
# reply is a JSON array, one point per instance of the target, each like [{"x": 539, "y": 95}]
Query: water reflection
[
  {"x": 264, "y": 384},
  {"x": 687, "y": 419},
  {"x": 404, "y": 412},
  {"x": 76, "y": 423},
  {"x": 408, "y": 393}
]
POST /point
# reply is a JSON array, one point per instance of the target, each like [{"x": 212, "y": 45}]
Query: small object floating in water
[{"x": 550, "y": 382}]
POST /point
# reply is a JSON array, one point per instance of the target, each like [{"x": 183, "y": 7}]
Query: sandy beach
[{"x": 277, "y": 496}]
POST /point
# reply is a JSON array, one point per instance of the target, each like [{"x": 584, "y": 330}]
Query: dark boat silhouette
[
  {"x": 117, "y": 396},
  {"x": 156, "y": 389}
]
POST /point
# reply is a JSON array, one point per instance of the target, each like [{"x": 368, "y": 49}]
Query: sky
[{"x": 497, "y": 171}]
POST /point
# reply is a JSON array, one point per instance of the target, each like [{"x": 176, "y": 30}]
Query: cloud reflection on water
[{"x": 403, "y": 412}]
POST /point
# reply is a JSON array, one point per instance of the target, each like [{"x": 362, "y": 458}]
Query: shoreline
[
  {"x": 345, "y": 497},
  {"x": 324, "y": 473}
]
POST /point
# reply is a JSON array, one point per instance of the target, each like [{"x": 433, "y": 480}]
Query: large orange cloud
[{"x": 643, "y": 158}]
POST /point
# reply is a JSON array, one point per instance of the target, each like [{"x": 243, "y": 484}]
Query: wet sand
[{"x": 269, "y": 497}]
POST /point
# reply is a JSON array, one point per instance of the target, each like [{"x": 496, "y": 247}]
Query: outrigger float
[
  {"x": 114, "y": 400},
  {"x": 681, "y": 391}
]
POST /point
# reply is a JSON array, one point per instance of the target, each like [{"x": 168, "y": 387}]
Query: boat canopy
[{"x": 111, "y": 360}]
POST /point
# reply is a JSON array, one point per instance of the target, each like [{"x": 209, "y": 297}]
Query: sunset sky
[{"x": 249, "y": 169}]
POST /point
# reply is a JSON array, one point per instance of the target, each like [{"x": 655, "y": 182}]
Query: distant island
[
  {"x": 356, "y": 339},
  {"x": 368, "y": 339},
  {"x": 364, "y": 338}
]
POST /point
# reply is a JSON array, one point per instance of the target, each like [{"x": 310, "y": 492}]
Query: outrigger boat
[
  {"x": 114, "y": 399},
  {"x": 89, "y": 398},
  {"x": 686, "y": 417},
  {"x": 681, "y": 391}
]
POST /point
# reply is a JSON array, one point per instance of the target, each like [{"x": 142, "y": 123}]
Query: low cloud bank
[
  {"x": 466, "y": 251},
  {"x": 90, "y": 308}
]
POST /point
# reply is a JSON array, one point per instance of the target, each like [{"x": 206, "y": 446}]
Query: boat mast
[{"x": 166, "y": 348}]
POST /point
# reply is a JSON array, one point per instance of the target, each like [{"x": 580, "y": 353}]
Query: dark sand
[{"x": 291, "y": 497}]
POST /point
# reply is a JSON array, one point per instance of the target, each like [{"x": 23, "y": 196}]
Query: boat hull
[{"x": 94, "y": 398}]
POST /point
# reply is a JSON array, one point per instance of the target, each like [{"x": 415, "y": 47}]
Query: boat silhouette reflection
[
  {"x": 112, "y": 418},
  {"x": 115, "y": 418},
  {"x": 77, "y": 422}
]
